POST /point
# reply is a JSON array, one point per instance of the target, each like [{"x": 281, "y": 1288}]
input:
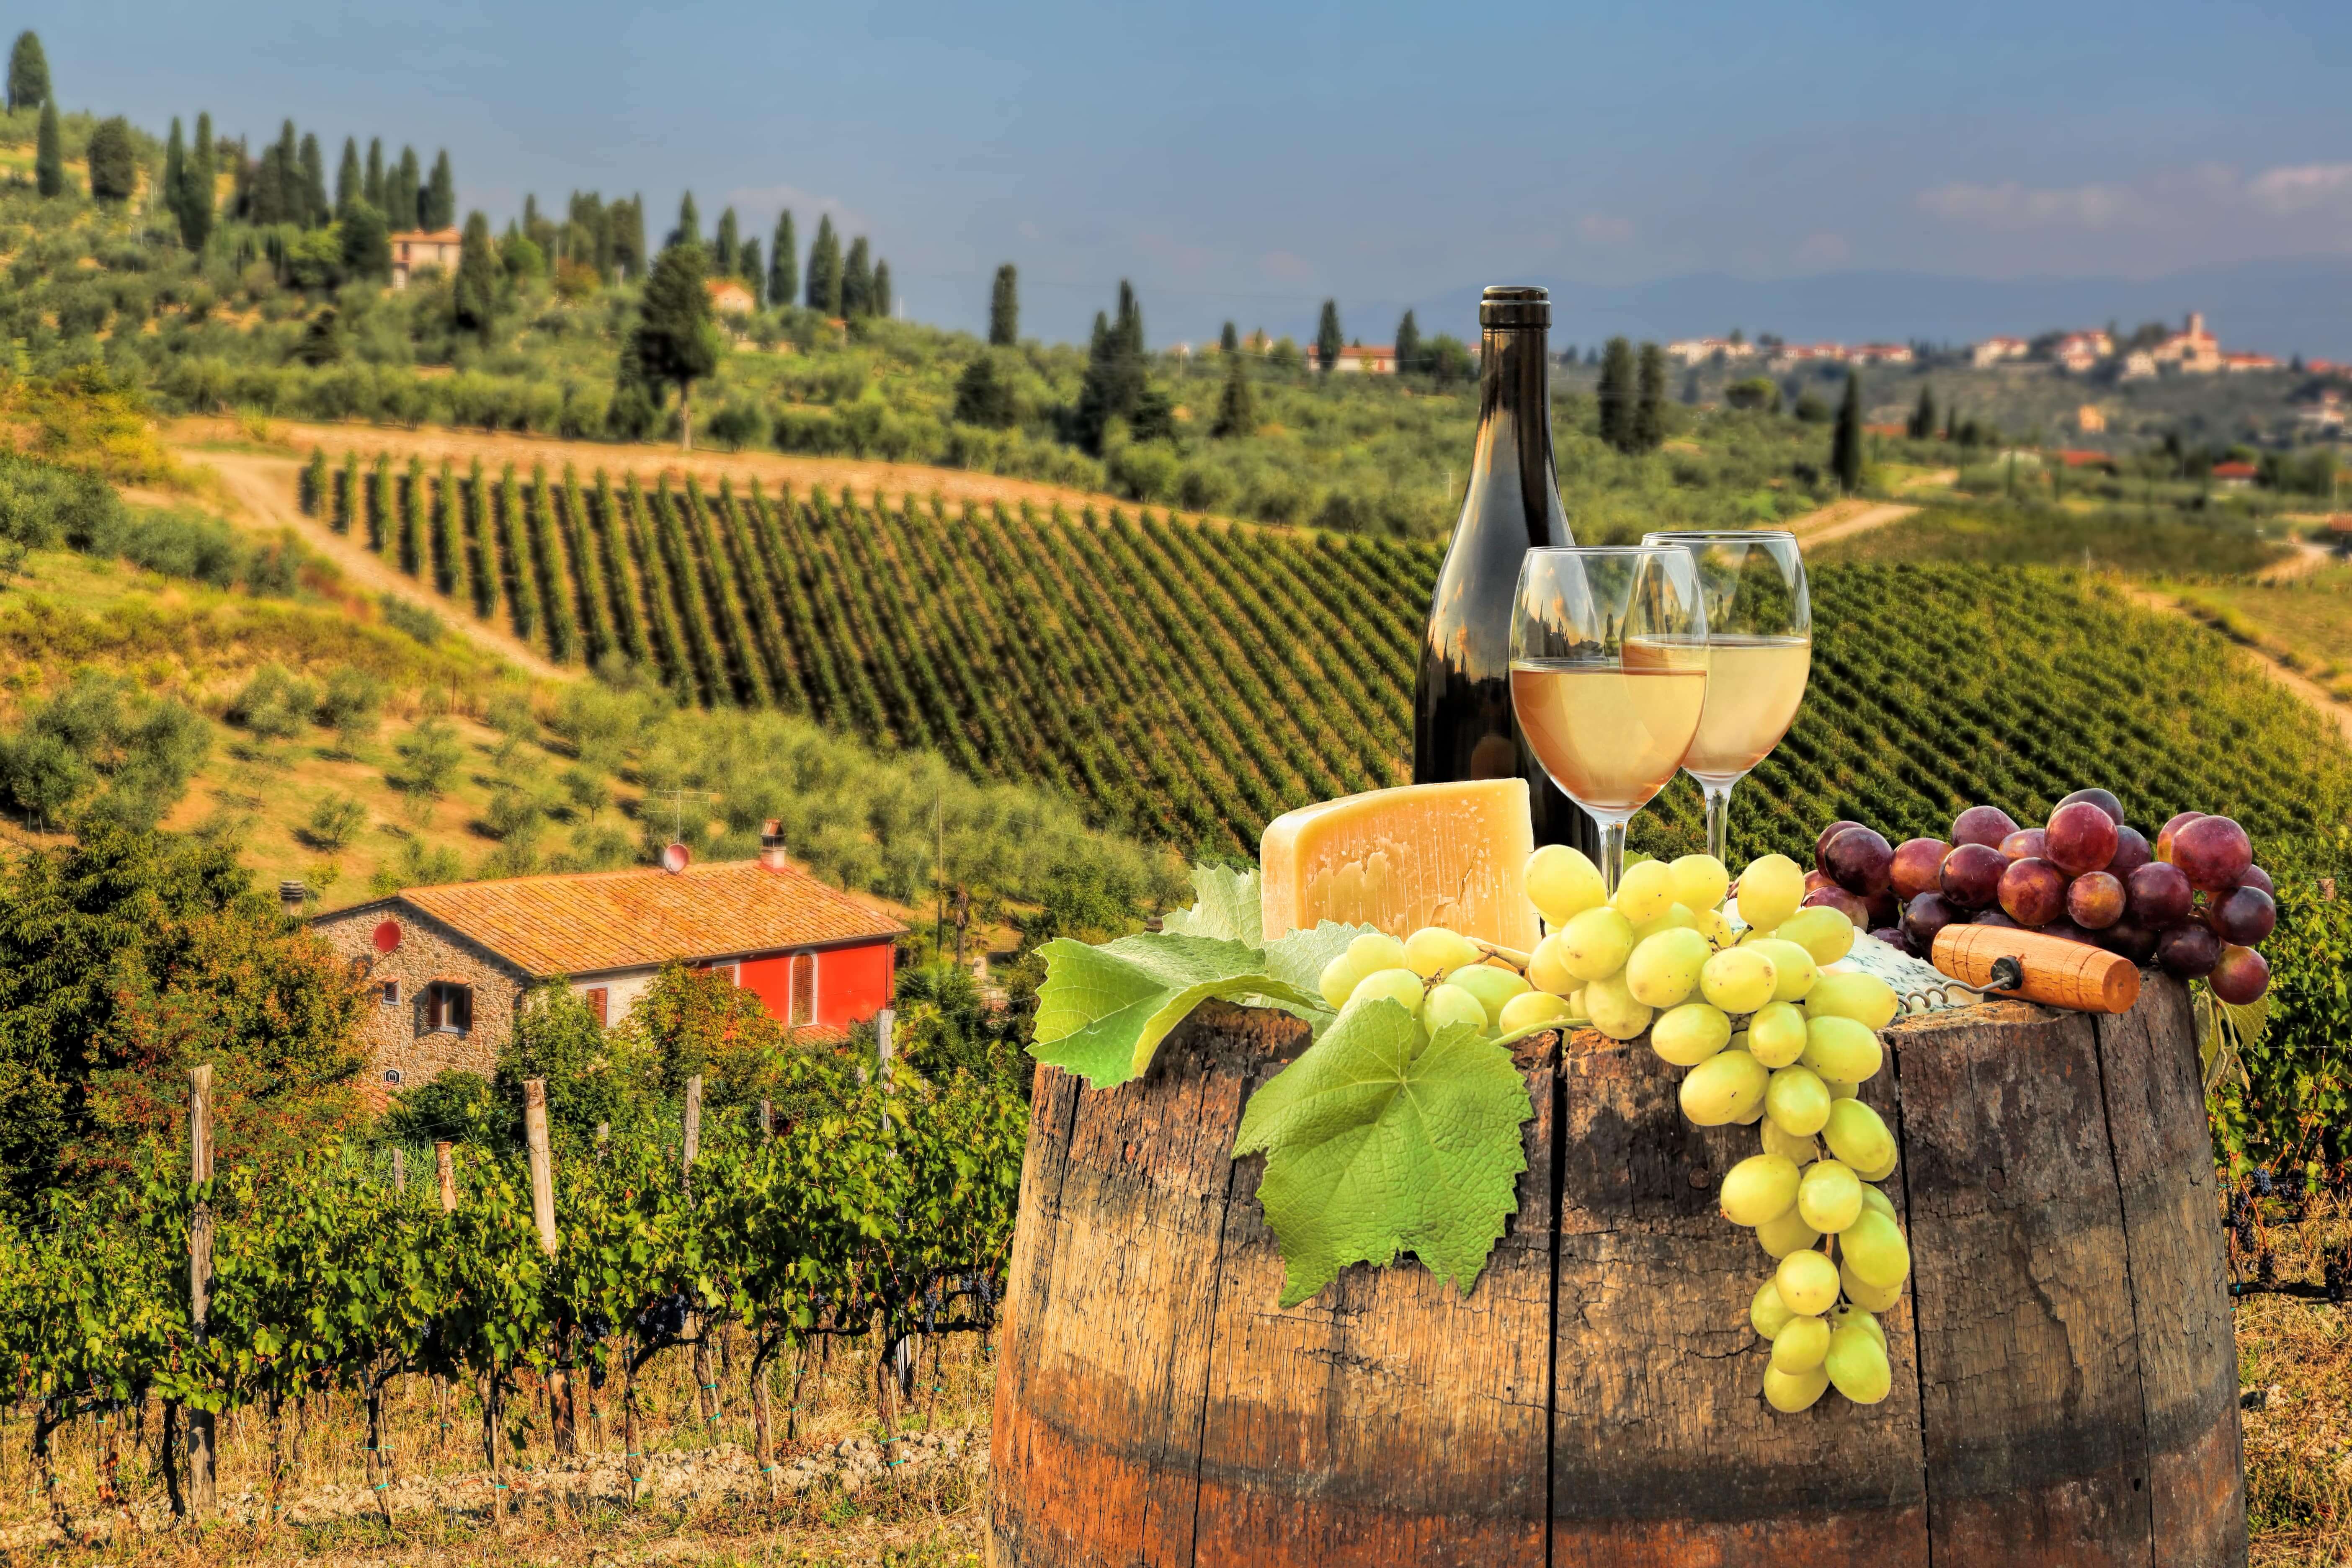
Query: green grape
[
  {"x": 1769, "y": 891},
  {"x": 1842, "y": 1049},
  {"x": 1829, "y": 1197},
  {"x": 1688, "y": 1034},
  {"x": 1775, "y": 1035},
  {"x": 1819, "y": 930},
  {"x": 1790, "y": 1392},
  {"x": 1856, "y": 1363},
  {"x": 1402, "y": 986},
  {"x": 1644, "y": 891},
  {"x": 1872, "y": 1198},
  {"x": 1562, "y": 883},
  {"x": 1875, "y": 1249},
  {"x": 1724, "y": 1088},
  {"x": 1449, "y": 1004},
  {"x": 1766, "y": 1314},
  {"x": 1794, "y": 971},
  {"x": 1858, "y": 1135},
  {"x": 1699, "y": 881},
  {"x": 1338, "y": 980},
  {"x": 1846, "y": 1315},
  {"x": 1760, "y": 1188},
  {"x": 1490, "y": 983},
  {"x": 1664, "y": 969},
  {"x": 1877, "y": 1172},
  {"x": 1751, "y": 1117},
  {"x": 1375, "y": 950},
  {"x": 1713, "y": 926},
  {"x": 1548, "y": 967},
  {"x": 1433, "y": 952},
  {"x": 1613, "y": 1009},
  {"x": 1875, "y": 1298},
  {"x": 1865, "y": 998},
  {"x": 1790, "y": 1233},
  {"x": 1797, "y": 1101},
  {"x": 1738, "y": 980},
  {"x": 1533, "y": 1009},
  {"x": 1799, "y": 1149},
  {"x": 1808, "y": 1282},
  {"x": 1801, "y": 1344},
  {"x": 1677, "y": 917},
  {"x": 1596, "y": 943},
  {"x": 1840, "y": 1089}
]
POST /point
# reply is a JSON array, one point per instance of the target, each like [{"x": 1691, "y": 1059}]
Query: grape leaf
[
  {"x": 1378, "y": 1140},
  {"x": 1227, "y": 904},
  {"x": 1104, "y": 1010}
]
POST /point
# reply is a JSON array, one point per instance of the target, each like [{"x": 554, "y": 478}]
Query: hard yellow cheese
[{"x": 1451, "y": 855}]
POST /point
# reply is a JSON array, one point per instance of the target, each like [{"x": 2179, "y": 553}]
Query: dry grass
[{"x": 2294, "y": 1363}]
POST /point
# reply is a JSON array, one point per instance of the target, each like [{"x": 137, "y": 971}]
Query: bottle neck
[{"x": 1514, "y": 448}]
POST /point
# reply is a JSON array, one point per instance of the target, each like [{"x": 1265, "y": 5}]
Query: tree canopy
[
  {"x": 28, "y": 72},
  {"x": 676, "y": 343}
]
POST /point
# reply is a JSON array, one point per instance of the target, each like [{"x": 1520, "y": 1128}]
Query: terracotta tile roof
[{"x": 620, "y": 920}]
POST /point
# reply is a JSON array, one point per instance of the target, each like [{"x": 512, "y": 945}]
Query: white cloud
[
  {"x": 1604, "y": 228},
  {"x": 2012, "y": 205},
  {"x": 2302, "y": 186},
  {"x": 1825, "y": 250}
]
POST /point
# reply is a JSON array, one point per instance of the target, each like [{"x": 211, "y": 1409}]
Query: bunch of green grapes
[
  {"x": 1769, "y": 1038},
  {"x": 1441, "y": 977}
]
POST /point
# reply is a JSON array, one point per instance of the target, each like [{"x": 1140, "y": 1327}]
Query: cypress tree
[
  {"x": 1922, "y": 425},
  {"x": 49, "y": 158},
  {"x": 1845, "y": 445},
  {"x": 442, "y": 194},
  {"x": 858, "y": 281},
  {"x": 784, "y": 262},
  {"x": 882, "y": 288},
  {"x": 1118, "y": 380},
  {"x": 674, "y": 342},
  {"x": 176, "y": 175},
  {"x": 1327, "y": 340},
  {"x": 373, "y": 188},
  {"x": 113, "y": 162},
  {"x": 824, "y": 270},
  {"x": 689, "y": 222},
  {"x": 194, "y": 208},
  {"x": 474, "y": 301},
  {"x": 1616, "y": 395},
  {"x": 402, "y": 212},
  {"x": 315, "y": 208},
  {"x": 726, "y": 246},
  {"x": 1408, "y": 345},
  {"x": 1650, "y": 401},
  {"x": 367, "y": 242},
  {"x": 748, "y": 268},
  {"x": 1229, "y": 341},
  {"x": 626, "y": 228},
  {"x": 28, "y": 73},
  {"x": 1237, "y": 410},
  {"x": 349, "y": 182},
  {"x": 1005, "y": 307}
]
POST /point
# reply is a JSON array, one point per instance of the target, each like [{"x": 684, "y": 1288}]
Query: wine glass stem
[
  {"x": 1613, "y": 852},
  {"x": 1719, "y": 817}
]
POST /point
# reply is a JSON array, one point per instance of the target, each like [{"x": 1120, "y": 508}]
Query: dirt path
[
  {"x": 648, "y": 462},
  {"x": 1845, "y": 519},
  {"x": 2310, "y": 691},
  {"x": 2307, "y": 558},
  {"x": 263, "y": 489}
]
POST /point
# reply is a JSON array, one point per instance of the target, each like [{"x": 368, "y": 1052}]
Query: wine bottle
[{"x": 1462, "y": 726}]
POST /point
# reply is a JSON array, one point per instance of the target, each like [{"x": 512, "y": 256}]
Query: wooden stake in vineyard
[
  {"x": 202, "y": 1502},
  {"x": 560, "y": 1417},
  {"x": 445, "y": 1166},
  {"x": 705, "y": 1376}
]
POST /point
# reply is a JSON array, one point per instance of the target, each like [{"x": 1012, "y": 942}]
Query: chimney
[
  {"x": 772, "y": 846},
  {"x": 292, "y": 897}
]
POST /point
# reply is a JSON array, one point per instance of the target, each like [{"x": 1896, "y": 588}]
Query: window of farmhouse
[
  {"x": 804, "y": 989},
  {"x": 448, "y": 1008}
]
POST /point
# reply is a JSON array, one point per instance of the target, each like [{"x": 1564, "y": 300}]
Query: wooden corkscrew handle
[{"x": 2056, "y": 972}]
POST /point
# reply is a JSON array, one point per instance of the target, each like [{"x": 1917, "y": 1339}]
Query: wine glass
[
  {"x": 1760, "y": 624},
  {"x": 1608, "y": 675}
]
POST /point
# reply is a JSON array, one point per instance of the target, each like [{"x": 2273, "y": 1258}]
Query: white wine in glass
[{"x": 1759, "y": 656}]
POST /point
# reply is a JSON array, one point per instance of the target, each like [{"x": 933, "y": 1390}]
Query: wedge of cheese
[{"x": 1451, "y": 855}]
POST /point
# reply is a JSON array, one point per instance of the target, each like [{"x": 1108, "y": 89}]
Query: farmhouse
[
  {"x": 1375, "y": 359},
  {"x": 414, "y": 249},
  {"x": 2235, "y": 474},
  {"x": 2192, "y": 349},
  {"x": 449, "y": 965},
  {"x": 730, "y": 297},
  {"x": 1992, "y": 350}
]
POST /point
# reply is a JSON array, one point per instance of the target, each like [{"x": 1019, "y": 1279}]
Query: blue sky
[{"x": 1245, "y": 160}]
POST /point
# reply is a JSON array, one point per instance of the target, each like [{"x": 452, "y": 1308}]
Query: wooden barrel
[{"x": 2065, "y": 1380}]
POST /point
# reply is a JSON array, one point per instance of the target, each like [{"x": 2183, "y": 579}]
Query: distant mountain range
[{"x": 2294, "y": 305}]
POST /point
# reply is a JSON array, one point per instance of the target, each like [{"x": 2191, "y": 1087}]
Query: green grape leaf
[
  {"x": 1379, "y": 1141},
  {"x": 1228, "y": 905},
  {"x": 1300, "y": 958},
  {"x": 1104, "y": 1010}
]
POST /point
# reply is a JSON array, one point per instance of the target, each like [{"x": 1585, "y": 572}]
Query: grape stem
[{"x": 1510, "y": 955}]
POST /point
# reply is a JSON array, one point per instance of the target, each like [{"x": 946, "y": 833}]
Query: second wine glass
[
  {"x": 1760, "y": 622},
  {"x": 1608, "y": 676}
]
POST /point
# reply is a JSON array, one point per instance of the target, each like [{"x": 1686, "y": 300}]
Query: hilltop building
[
  {"x": 1699, "y": 350},
  {"x": 1879, "y": 353},
  {"x": 1359, "y": 358},
  {"x": 1994, "y": 350},
  {"x": 730, "y": 297},
  {"x": 2243, "y": 362},
  {"x": 414, "y": 249},
  {"x": 2192, "y": 350},
  {"x": 449, "y": 965},
  {"x": 2079, "y": 352}
]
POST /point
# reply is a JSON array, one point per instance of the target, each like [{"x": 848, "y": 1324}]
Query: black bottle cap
[{"x": 1514, "y": 305}]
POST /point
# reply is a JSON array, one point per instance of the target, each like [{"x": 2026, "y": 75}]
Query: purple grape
[
  {"x": 2256, "y": 876},
  {"x": 1993, "y": 918},
  {"x": 1971, "y": 876},
  {"x": 1923, "y": 918},
  {"x": 2082, "y": 837},
  {"x": 1885, "y": 909},
  {"x": 1821, "y": 841},
  {"x": 2104, "y": 799},
  {"x": 2188, "y": 950},
  {"x": 1859, "y": 861},
  {"x": 1838, "y": 899},
  {"x": 2240, "y": 975},
  {"x": 2034, "y": 891},
  {"x": 2067, "y": 930},
  {"x": 2094, "y": 900},
  {"x": 2026, "y": 844},
  {"x": 2243, "y": 915},
  {"x": 1892, "y": 937},
  {"x": 2131, "y": 851},
  {"x": 2131, "y": 940},
  {"x": 2172, "y": 830},
  {"x": 2159, "y": 895},
  {"x": 1918, "y": 866},
  {"x": 1985, "y": 825},
  {"x": 2213, "y": 853}
]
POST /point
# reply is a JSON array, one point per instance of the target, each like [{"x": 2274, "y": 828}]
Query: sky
[{"x": 1245, "y": 160}]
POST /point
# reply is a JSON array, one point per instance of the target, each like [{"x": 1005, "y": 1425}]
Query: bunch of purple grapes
[{"x": 2194, "y": 901}]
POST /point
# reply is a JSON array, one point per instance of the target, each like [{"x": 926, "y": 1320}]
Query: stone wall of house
[{"x": 397, "y": 1038}]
